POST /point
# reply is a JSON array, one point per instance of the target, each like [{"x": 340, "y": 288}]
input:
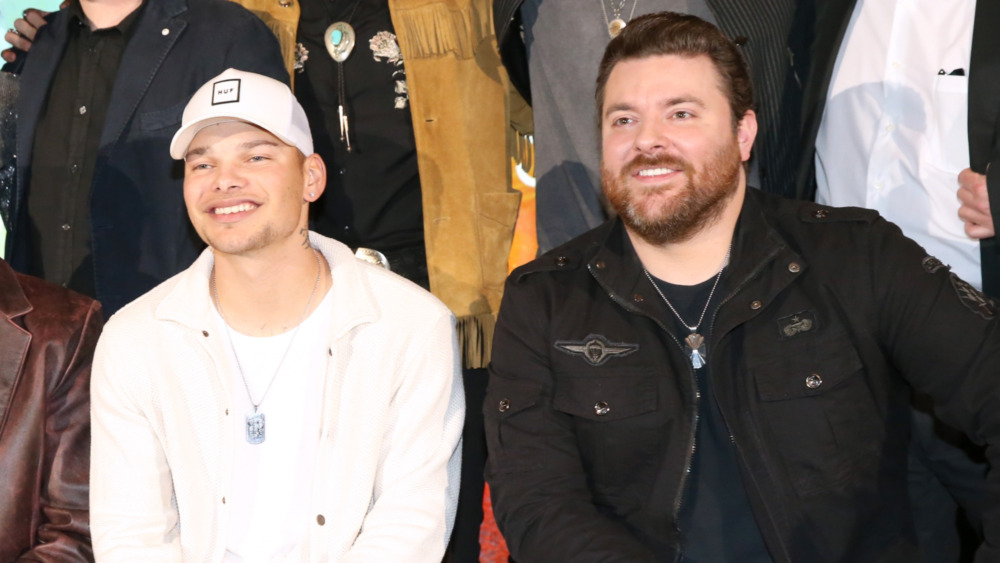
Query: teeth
[
  {"x": 655, "y": 171},
  {"x": 234, "y": 209}
]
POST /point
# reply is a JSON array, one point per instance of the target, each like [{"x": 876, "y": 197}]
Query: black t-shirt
[
  {"x": 372, "y": 196},
  {"x": 715, "y": 520}
]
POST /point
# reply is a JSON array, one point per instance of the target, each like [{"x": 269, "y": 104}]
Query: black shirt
[
  {"x": 67, "y": 139},
  {"x": 372, "y": 196},
  {"x": 715, "y": 520}
]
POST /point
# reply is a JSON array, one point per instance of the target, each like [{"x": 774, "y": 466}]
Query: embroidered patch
[
  {"x": 800, "y": 322},
  {"x": 973, "y": 299},
  {"x": 932, "y": 264},
  {"x": 226, "y": 91},
  {"x": 384, "y": 46},
  {"x": 596, "y": 349}
]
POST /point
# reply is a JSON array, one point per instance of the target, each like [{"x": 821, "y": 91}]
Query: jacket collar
[
  {"x": 759, "y": 266},
  {"x": 190, "y": 304},
  {"x": 14, "y": 339}
]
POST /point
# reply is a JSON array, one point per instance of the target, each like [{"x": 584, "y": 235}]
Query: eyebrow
[
  {"x": 249, "y": 145},
  {"x": 665, "y": 103}
]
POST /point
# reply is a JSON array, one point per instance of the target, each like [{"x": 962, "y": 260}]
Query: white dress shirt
[{"x": 894, "y": 134}]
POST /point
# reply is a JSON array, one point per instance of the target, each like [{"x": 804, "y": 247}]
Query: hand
[
  {"x": 975, "y": 209},
  {"x": 24, "y": 32}
]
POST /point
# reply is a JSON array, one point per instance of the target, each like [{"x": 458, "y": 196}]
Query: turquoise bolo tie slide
[{"x": 339, "y": 39}]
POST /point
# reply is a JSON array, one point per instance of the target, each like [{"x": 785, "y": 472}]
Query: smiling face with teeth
[
  {"x": 246, "y": 190},
  {"x": 672, "y": 151}
]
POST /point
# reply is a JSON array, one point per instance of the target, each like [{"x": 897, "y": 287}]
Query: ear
[
  {"x": 314, "y": 174},
  {"x": 746, "y": 132}
]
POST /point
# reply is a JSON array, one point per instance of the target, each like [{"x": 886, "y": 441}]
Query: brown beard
[{"x": 696, "y": 205}]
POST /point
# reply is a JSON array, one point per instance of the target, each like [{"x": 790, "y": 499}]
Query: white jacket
[{"x": 387, "y": 470}]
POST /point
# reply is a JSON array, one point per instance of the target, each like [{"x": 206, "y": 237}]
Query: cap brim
[{"x": 182, "y": 139}]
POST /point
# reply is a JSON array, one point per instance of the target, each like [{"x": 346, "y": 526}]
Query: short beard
[{"x": 696, "y": 205}]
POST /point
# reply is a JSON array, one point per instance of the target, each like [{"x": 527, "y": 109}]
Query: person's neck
[
  {"x": 698, "y": 258},
  {"x": 265, "y": 295},
  {"x": 102, "y": 14}
]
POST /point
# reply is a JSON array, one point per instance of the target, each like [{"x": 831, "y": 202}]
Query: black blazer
[
  {"x": 140, "y": 234},
  {"x": 984, "y": 108}
]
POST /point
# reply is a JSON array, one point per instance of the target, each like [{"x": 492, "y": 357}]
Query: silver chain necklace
[
  {"x": 616, "y": 24},
  {"x": 255, "y": 421},
  {"x": 694, "y": 341}
]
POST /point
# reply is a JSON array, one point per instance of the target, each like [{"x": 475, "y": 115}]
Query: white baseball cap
[{"x": 236, "y": 95}]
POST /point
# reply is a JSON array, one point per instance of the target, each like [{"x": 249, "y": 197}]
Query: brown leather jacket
[{"x": 47, "y": 339}]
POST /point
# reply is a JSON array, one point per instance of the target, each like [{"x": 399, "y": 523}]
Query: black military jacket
[{"x": 827, "y": 315}]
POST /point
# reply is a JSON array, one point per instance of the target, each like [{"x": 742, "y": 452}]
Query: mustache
[{"x": 655, "y": 161}]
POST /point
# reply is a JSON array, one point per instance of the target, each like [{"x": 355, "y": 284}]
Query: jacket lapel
[
  {"x": 39, "y": 68},
  {"x": 157, "y": 32},
  {"x": 984, "y": 84},
  {"x": 14, "y": 340}
]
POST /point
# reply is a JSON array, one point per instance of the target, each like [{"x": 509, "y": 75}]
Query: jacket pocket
[
  {"x": 819, "y": 407},
  {"x": 159, "y": 119},
  {"x": 620, "y": 428}
]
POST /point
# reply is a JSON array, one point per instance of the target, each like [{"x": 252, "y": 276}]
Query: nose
[
  {"x": 650, "y": 136},
  {"x": 229, "y": 177}
]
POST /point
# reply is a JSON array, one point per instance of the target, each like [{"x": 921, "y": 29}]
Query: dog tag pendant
[
  {"x": 255, "y": 427},
  {"x": 696, "y": 346}
]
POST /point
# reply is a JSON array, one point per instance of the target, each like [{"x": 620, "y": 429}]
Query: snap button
[
  {"x": 320, "y": 520},
  {"x": 756, "y": 304},
  {"x": 638, "y": 298},
  {"x": 601, "y": 408},
  {"x": 599, "y": 265},
  {"x": 165, "y": 32},
  {"x": 814, "y": 381},
  {"x": 794, "y": 267},
  {"x": 820, "y": 214},
  {"x": 561, "y": 261},
  {"x": 504, "y": 405}
]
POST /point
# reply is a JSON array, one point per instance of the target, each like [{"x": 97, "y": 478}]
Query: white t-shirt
[{"x": 269, "y": 510}]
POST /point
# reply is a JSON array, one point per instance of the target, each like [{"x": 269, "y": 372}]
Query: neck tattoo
[
  {"x": 255, "y": 421},
  {"x": 695, "y": 341}
]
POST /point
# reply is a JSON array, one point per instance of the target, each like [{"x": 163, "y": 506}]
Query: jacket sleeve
[
  {"x": 63, "y": 531},
  {"x": 944, "y": 337},
  {"x": 537, "y": 481},
  {"x": 415, "y": 491},
  {"x": 133, "y": 514}
]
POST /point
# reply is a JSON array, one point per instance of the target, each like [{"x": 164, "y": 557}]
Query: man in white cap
[{"x": 279, "y": 400}]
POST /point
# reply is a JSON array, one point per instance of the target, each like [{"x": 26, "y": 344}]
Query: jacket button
[
  {"x": 820, "y": 214},
  {"x": 814, "y": 381},
  {"x": 504, "y": 405},
  {"x": 320, "y": 520},
  {"x": 601, "y": 408},
  {"x": 561, "y": 261},
  {"x": 599, "y": 265},
  {"x": 794, "y": 267},
  {"x": 638, "y": 298},
  {"x": 755, "y": 304}
]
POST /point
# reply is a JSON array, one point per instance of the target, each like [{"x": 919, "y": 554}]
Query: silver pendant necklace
[
  {"x": 255, "y": 421},
  {"x": 695, "y": 341},
  {"x": 339, "y": 39},
  {"x": 616, "y": 24}
]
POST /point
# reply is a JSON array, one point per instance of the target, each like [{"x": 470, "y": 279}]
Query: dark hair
[{"x": 670, "y": 33}]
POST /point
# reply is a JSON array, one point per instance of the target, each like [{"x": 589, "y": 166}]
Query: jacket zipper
[
  {"x": 678, "y": 498},
  {"x": 732, "y": 439}
]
